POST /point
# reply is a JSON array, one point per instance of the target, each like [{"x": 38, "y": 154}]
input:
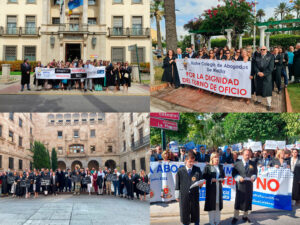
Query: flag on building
[{"x": 62, "y": 2}]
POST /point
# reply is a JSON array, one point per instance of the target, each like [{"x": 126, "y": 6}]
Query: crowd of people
[
  {"x": 267, "y": 67},
  {"x": 245, "y": 164},
  {"x": 100, "y": 181},
  {"x": 116, "y": 75}
]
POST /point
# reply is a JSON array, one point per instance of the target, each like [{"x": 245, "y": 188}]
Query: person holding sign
[
  {"x": 295, "y": 168},
  {"x": 188, "y": 198},
  {"x": 214, "y": 176},
  {"x": 244, "y": 173},
  {"x": 279, "y": 160}
]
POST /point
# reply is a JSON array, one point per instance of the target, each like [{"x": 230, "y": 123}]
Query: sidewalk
[
  {"x": 167, "y": 214},
  {"x": 136, "y": 89},
  {"x": 194, "y": 99}
]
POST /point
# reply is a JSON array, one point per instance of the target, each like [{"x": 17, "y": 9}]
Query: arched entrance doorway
[
  {"x": 93, "y": 164},
  {"x": 61, "y": 165},
  {"x": 111, "y": 164},
  {"x": 76, "y": 164}
]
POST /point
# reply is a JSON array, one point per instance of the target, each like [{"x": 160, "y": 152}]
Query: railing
[
  {"x": 75, "y": 155},
  {"x": 128, "y": 32},
  {"x": 141, "y": 143},
  {"x": 18, "y": 31},
  {"x": 29, "y": 30},
  {"x": 73, "y": 27}
]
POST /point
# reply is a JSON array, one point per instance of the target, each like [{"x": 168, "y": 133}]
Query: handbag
[{"x": 126, "y": 75}]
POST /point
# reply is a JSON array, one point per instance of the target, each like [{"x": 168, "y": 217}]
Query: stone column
[
  {"x": 102, "y": 12},
  {"x": 209, "y": 43},
  {"x": 193, "y": 39},
  {"x": 46, "y": 10},
  {"x": 5, "y": 73},
  {"x": 268, "y": 34},
  {"x": 85, "y": 12},
  {"x": 262, "y": 30},
  {"x": 229, "y": 31},
  {"x": 241, "y": 41}
]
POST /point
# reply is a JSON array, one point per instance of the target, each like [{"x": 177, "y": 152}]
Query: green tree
[
  {"x": 281, "y": 10},
  {"x": 292, "y": 121},
  {"x": 296, "y": 7},
  {"x": 41, "y": 158},
  {"x": 170, "y": 24},
  {"x": 260, "y": 14},
  {"x": 157, "y": 13},
  {"x": 53, "y": 159}
]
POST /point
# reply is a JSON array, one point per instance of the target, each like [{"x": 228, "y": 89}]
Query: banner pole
[{"x": 163, "y": 139}]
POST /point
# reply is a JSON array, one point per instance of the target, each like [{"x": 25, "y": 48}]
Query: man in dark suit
[
  {"x": 61, "y": 179},
  {"x": 227, "y": 156},
  {"x": 135, "y": 178},
  {"x": 244, "y": 172},
  {"x": 25, "y": 79},
  {"x": 54, "y": 183},
  {"x": 202, "y": 157},
  {"x": 188, "y": 198},
  {"x": 265, "y": 160},
  {"x": 122, "y": 179},
  {"x": 278, "y": 59}
]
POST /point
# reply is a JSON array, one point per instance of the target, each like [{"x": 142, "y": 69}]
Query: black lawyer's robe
[
  {"x": 4, "y": 184},
  {"x": 188, "y": 198},
  {"x": 244, "y": 190},
  {"x": 170, "y": 71},
  {"x": 296, "y": 182},
  {"x": 210, "y": 198},
  {"x": 25, "y": 79}
]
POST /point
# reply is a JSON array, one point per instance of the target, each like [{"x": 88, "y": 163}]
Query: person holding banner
[
  {"x": 244, "y": 173},
  {"x": 214, "y": 176},
  {"x": 295, "y": 168},
  {"x": 188, "y": 198},
  {"x": 279, "y": 160},
  {"x": 263, "y": 67},
  {"x": 88, "y": 83},
  {"x": 211, "y": 55},
  {"x": 170, "y": 69}
]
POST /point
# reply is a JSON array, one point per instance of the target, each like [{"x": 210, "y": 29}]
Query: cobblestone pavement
[
  {"x": 192, "y": 99},
  {"x": 73, "y": 210}
]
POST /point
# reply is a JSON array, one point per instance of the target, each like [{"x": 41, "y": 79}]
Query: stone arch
[
  {"x": 111, "y": 164},
  {"x": 75, "y": 164},
  {"x": 93, "y": 164},
  {"x": 61, "y": 165}
]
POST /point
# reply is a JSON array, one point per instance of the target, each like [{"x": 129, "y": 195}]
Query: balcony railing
[
  {"x": 18, "y": 31},
  {"x": 128, "y": 32},
  {"x": 76, "y": 155},
  {"x": 72, "y": 28},
  {"x": 141, "y": 143}
]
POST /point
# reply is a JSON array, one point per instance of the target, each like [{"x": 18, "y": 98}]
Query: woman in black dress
[
  {"x": 295, "y": 168},
  {"x": 109, "y": 76},
  {"x": 143, "y": 178},
  {"x": 3, "y": 178},
  {"x": 214, "y": 176},
  {"x": 126, "y": 76},
  {"x": 37, "y": 182},
  {"x": 129, "y": 185},
  {"x": 169, "y": 67},
  {"x": 20, "y": 189},
  {"x": 220, "y": 54},
  {"x": 29, "y": 187},
  {"x": 237, "y": 56}
]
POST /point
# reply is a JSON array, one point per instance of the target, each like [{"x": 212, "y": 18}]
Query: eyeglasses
[{"x": 263, "y": 49}]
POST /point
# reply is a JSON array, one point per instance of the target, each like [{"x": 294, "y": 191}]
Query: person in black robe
[
  {"x": 278, "y": 63},
  {"x": 4, "y": 184},
  {"x": 100, "y": 178},
  {"x": 263, "y": 67},
  {"x": 54, "y": 183},
  {"x": 188, "y": 198},
  {"x": 46, "y": 177},
  {"x": 170, "y": 70},
  {"x": 129, "y": 185},
  {"x": 143, "y": 178},
  {"x": 296, "y": 64},
  {"x": 295, "y": 168},
  {"x": 61, "y": 180},
  {"x": 244, "y": 172},
  {"x": 214, "y": 176},
  {"x": 126, "y": 76},
  {"x": 109, "y": 76},
  {"x": 25, "y": 70},
  {"x": 135, "y": 181},
  {"x": 20, "y": 188},
  {"x": 37, "y": 182}
]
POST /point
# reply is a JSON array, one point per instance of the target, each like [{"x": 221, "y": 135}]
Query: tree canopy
[{"x": 41, "y": 158}]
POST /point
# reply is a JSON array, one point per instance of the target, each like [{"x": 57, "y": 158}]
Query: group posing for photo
[
  {"x": 95, "y": 181},
  {"x": 267, "y": 67}
]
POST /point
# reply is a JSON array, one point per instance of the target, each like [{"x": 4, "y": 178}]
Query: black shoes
[
  {"x": 234, "y": 221},
  {"x": 246, "y": 219},
  {"x": 257, "y": 103},
  {"x": 269, "y": 108}
]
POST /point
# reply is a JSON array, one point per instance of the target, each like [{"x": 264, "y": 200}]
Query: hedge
[
  {"x": 284, "y": 40},
  {"x": 16, "y": 65}
]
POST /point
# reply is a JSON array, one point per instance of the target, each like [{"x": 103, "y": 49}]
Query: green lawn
[
  {"x": 294, "y": 93},
  {"x": 13, "y": 73}
]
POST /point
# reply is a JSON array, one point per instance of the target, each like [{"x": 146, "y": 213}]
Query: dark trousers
[
  {"x": 122, "y": 185},
  {"x": 276, "y": 79},
  {"x": 290, "y": 67},
  {"x": 286, "y": 82},
  {"x": 28, "y": 87}
]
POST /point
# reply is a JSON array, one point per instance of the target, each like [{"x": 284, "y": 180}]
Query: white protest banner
[
  {"x": 272, "y": 188},
  {"x": 255, "y": 145},
  {"x": 222, "y": 77},
  {"x": 96, "y": 72},
  {"x": 297, "y": 144},
  {"x": 273, "y": 145}
]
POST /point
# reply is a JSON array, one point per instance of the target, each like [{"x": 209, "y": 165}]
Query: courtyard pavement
[{"x": 74, "y": 210}]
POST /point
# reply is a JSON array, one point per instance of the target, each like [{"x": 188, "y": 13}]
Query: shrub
[{"x": 16, "y": 65}]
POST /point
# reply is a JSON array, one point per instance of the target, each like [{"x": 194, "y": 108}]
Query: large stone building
[
  {"x": 81, "y": 139},
  {"x": 42, "y": 30}
]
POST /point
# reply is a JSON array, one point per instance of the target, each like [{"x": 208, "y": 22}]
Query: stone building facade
[
  {"x": 82, "y": 139},
  {"x": 42, "y": 30}
]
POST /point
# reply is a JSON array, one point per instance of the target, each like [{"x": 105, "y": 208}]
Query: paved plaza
[
  {"x": 168, "y": 214},
  {"x": 74, "y": 210}
]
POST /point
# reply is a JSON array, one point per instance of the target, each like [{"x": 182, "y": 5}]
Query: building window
[
  {"x": 133, "y": 164},
  {"x": 93, "y": 133},
  {"x": 125, "y": 166},
  {"x": 132, "y": 140},
  {"x": 55, "y": 20},
  {"x": 84, "y": 121},
  {"x": 123, "y": 129},
  {"x": 93, "y": 148},
  {"x": 30, "y": 25},
  {"x": 76, "y": 133},
  {"x": 76, "y": 148},
  {"x": 117, "y": 26},
  {"x": 59, "y": 134},
  {"x": 141, "y": 55},
  {"x": 10, "y": 53},
  {"x": 11, "y": 136},
  {"x": 30, "y": 53},
  {"x": 109, "y": 148},
  {"x": 141, "y": 133},
  {"x": 20, "y": 122},
  {"x": 31, "y": 145},
  {"x": 143, "y": 164},
  {"x": 20, "y": 164},
  {"x": 12, "y": 1},
  {"x": 118, "y": 54},
  {"x": 124, "y": 146},
  {"x": 11, "y": 25},
  {"x": 31, "y": 1},
  {"x": 11, "y": 163},
  {"x": 137, "y": 25},
  {"x": 92, "y": 21},
  {"x": 117, "y": 1},
  {"x": 20, "y": 141},
  {"x": 137, "y": 1},
  {"x": 31, "y": 166},
  {"x": 0, "y": 161},
  {"x": 11, "y": 116},
  {"x": 92, "y": 2},
  {"x": 60, "y": 150},
  {"x": 0, "y": 132},
  {"x": 52, "y": 122}
]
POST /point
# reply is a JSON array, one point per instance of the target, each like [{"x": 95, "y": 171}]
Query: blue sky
[{"x": 189, "y": 9}]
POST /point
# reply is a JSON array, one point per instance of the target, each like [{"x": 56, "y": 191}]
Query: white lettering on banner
[
  {"x": 272, "y": 188},
  {"x": 222, "y": 77},
  {"x": 69, "y": 73}
]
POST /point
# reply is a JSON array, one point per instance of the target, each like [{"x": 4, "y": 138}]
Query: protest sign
[
  {"x": 222, "y": 77},
  {"x": 86, "y": 180},
  {"x": 173, "y": 146},
  {"x": 10, "y": 179},
  {"x": 237, "y": 147},
  {"x": 273, "y": 145},
  {"x": 190, "y": 145},
  {"x": 255, "y": 145},
  {"x": 142, "y": 186}
]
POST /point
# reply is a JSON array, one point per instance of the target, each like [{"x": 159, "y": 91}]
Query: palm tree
[
  {"x": 296, "y": 7},
  {"x": 260, "y": 14},
  {"x": 281, "y": 10},
  {"x": 170, "y": 23},
  {"x": 157, "y": 13}
]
